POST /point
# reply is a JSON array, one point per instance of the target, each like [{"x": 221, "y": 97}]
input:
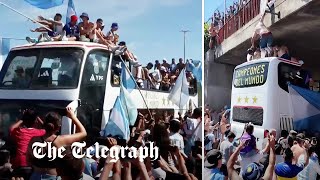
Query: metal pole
[
  {"x": 136, "y": 86},
  {"x": 184, "y": 44},
  {"x": 224, "y": 12},
  {"x": 1, "y": 3}
]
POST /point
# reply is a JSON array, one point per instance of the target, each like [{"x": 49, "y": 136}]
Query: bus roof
[
  {"x": 62, "y": 44},
  {"x": 269, "y": 59}
]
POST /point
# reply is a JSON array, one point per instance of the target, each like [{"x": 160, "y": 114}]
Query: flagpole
[
  {"x": 3, "y": 4},
  {"x": 136, "y": 86}
]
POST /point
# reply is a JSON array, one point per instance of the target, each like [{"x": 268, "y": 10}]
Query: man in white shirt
[
  {"x": 209, "y": 140},
  {"x": 156, "y": 76},
  {"x": 311, "y": 171},
  {"x": 192, "y": 129},
  {"x": 175, "y": 138}
]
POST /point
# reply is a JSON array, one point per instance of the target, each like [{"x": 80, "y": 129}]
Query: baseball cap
[
  {"x": 122, "y": 43},
  {"x": 74, "y": 18},
  {"x": 301, "y": 136},
  {"x": 212, "y": 158},
  {"x": 254, "y": 171},
  {"x": 293, "y": 133},
  {"x": 84, "y": 15},
  {"x": 100, "y": 21},
  {"x": 114, "y": 25}
]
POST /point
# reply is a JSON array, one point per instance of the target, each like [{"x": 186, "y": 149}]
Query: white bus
[
  {"x": 260, "y": 96},
  {"x": 50, "y": 76}
]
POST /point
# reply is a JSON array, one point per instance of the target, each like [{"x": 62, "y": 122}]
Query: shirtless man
[
  {"x": 264, "y": 35},
  {"x": 146, "y": 78},
  {"x": 298, "y": 149},
  {"x": 87, "y": 29}
]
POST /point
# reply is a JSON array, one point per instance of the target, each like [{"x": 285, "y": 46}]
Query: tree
[{"x": 206, "y": 37}]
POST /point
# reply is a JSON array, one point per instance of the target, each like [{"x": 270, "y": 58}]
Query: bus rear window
[
  {"x": 287, "y": 73},
  {"x": 248, "y": 114},
  {"x": 251, "y": 75}
]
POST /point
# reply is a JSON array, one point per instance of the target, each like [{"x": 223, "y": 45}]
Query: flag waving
[
  {"x": 306, "y": 108},
  {"x": 129, "y": 107},
  {"x": 70, "y": 11},
  {"x": 126, "y": 79},
  {"x": 118, "y": 124},
  {"x": 179, "y": 94},
  {"x": 45, "y": 4}
]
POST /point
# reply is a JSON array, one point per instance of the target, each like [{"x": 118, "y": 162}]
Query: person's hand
[
  {"x": 307, "y": 144},
  {"x": 7, "y": 165},
  {"x": 242, "y": 144},
  {"x": 271, "y": 141},
  {"x": 111, "y": 142},
  {"x": 41, "y": 18},
  {"x": 70, "y": 112}
]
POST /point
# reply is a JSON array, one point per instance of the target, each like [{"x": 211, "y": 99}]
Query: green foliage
[{"x": 206, "y": 37}]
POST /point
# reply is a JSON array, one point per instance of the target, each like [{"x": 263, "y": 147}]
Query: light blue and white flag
[
  {"x": 129, "y": 107},
  {"x": 126, "y": 79},
  {"x": 118, "y": 124},
  {"x": 45, "y": 4},
  {"x": 70, "y": 11},
  {"x": 179, "y": 94},
  {"x": 197, "y": 71},
  {"x": 306, "y": 109},
  {"x": 4, "y": 50}
]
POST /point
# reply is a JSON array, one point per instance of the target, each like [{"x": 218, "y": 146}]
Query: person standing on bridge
[{"x": 265, "y": 38}]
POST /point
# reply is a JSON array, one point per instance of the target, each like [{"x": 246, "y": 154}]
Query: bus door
[{"x": 92, "y": 89}]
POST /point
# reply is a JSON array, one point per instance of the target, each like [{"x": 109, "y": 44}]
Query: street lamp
[{"x": 184, "y": 43}]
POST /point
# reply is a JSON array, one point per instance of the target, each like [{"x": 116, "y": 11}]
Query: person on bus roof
[
  {"x": 71, "y": 30},
  {"x": 87, "y": 29}
]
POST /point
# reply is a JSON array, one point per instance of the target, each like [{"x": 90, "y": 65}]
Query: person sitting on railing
[
  {"x": 56, "y": 25},
  {"x": 71, "y": 30},
  {"x": 213, "y": 34},
  {"x": 87, "y": 29},
  {"x": 264, "y": 35}
]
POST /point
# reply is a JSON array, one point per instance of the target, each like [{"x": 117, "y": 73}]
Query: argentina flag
[
  {"x": 179, "y": 94},
  {"x": 129, "y": 106},
  {"x": 126, "y": 79},
  {"x": 70, "y": 11},
  {"x": 118, "y": 124},
  {"x": 306, "y": 109},
  {"x": 44, "y": 4}
]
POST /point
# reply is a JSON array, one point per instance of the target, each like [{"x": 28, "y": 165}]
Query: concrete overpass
[{"x": 298, "y": 28}]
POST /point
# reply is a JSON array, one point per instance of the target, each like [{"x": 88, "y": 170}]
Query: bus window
[
  {"x": 287, "y": 74},
  {"x": 42, "y": 68},
  {"x": 20, "y": 71},
  {"x": 251, "y": 75},
  {"x": 248, "y": 114}
]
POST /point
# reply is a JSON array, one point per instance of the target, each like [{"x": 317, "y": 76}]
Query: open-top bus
[
  {"x": 260, "y": 96},
  {"x": 85, "y": 76}
]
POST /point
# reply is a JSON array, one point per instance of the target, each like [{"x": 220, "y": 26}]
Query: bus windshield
[
  {"x": 251, "y": 75},
  {"x": 45, "y": 68}
]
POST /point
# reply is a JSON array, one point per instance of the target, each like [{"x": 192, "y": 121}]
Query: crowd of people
[
  {"x": 292, "y": 156},
  {"x": 178, "y": 140},
  {"x": 162, "y": 76}
]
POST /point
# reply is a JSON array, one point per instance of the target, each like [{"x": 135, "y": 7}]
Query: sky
[
  {"x": 150, "y": 27},
  {"x": 210, "y": 6}
]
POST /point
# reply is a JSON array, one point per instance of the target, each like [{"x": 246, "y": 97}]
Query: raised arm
[
  {"x": 232, "y": 173},
  {"x": 78, "y": 136},
  {"x": 268, "y": 175},
  {"x": 15, "y": 125},
  {"x": 42, "y": 19}
]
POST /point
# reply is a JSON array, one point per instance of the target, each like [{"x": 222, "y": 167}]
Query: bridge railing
[{"x": 248, "y": 11}]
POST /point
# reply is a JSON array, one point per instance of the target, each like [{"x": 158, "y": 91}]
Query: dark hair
[
  {"x": 52, "y": 122},
  {"x": 150, "y": 64},
  {"x": 249, "y": 129},
  {"x": 99, "y": 20},
  {"x": 197, "y": 113},
  {"x": 174, "y": 126},
  {"x": 161, "y": 139},
  {"x": 29, "y": 117},
  {"x": 284, "y": 133},
  {"x": 288, "y": 155},
  {"x": 58, "y": 14},
  {"x": 70, "y": 166}
]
